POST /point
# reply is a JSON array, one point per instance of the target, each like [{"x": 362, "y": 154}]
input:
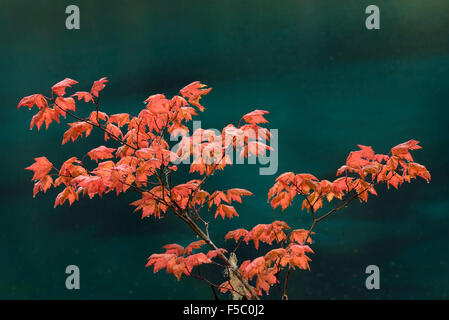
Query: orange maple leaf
[
  {"x": 41, "y": 168},
  {"x": 225, "y": 210},
  {"x": 87, "y": 96},
  {"x": 34, "y": 99},
  {"x": 255, "y": 117},
  {"x": 59, "y": 88},
  {"x": 101, "y": 152},
  {"x": 98, "y": 86}
]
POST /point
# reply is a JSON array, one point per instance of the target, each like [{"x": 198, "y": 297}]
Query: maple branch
[
  {"x": 357, "y": 194},
  {"x": 211, "y": 285},
  {"x": 228, "y": 264},
  {"x": 96, "y": 101},
  {"x": 287, "y": 276},
  {"x": 214, "y": 292},
  {"x": 95, "y": 125},
  {"x": 284, "y": 294},
  {"x": 200, "y": 277},
  {"x": 198, "y": 217},
  {"x": 138, "y": 130},
  {"x": 182, "y": 214},
  {"x": 188, "y": 202},
  {"x": 344, "y": 203},
  {"x": 142, "y": 191},
  {"x": 238, "y": 245}
]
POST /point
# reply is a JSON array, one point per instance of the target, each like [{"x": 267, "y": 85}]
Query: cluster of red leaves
[
  {"x": 179, "y": 260},
  {"x": 292, "y": 253},
  {"x": 144, "y": 159},
  {"x": 363, "y": 170},
  {"x": 211, "y": 150},
  {"x": 59, "y": 105},
  {"x": 266, "y": 233}
]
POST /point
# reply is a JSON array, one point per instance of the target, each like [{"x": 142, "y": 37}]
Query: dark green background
[{"x": 329, "y": 84}]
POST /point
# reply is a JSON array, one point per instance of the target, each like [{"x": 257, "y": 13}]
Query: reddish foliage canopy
[{"x": 143, "y": 161}]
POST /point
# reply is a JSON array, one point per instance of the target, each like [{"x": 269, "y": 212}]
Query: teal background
[{"x": 329, "y": 84}]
